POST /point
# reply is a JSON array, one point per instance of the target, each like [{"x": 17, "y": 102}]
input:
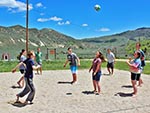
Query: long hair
[
  {"x": 139, "y": 54},
  {"x": 101, "y": 56},
  {"x": 19, "y": 56}
]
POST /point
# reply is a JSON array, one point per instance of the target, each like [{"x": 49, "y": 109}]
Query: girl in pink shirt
[{"x": 96, "y": 71}]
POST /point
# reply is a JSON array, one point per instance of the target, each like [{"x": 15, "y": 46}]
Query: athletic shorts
[
  {"x": 73, "y": 69},
  {"x": 135, "y": 76},
  {"x": 97, "y": 76},
  {"x": 39, "y": 63},
  {"x": 110, "y": 65},
  {"x": 22, "y": 71}
]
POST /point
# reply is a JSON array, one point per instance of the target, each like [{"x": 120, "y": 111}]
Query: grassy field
[{"x": 6, "y": 66}]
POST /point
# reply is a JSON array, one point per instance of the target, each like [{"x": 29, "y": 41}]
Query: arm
[
  {"x": 97, "y": 68},
  {"x": 91, "y": 68},
  {"x": 36, "y": 67},
  {"x": 132, "y": 65},
  {"x": 66, "y": 63},
  {"x": 14, "y": 69},
  {"x": 128, "y": 62},
  {"x": 78, "y": 61},
  {"x": 114, "y": 58}
]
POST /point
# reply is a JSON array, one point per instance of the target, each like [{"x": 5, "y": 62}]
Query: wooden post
[{"x": 27, "y": 13}]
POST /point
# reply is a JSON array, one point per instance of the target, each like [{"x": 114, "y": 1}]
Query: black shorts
[
  {"x": 135, "y": 76},
  {"x": 22, "y": 71},
  {"x": 110, "y": 65}
]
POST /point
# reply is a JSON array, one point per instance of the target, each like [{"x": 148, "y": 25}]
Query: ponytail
[{"x": 101, "y": 56}]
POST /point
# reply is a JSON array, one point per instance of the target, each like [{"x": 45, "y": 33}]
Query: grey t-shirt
[{"x": 72, "y": 58}]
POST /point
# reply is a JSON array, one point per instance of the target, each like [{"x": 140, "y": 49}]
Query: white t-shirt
[{"x": 110, "y": 57}]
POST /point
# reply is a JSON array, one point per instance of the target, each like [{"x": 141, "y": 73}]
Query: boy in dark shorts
[{"x": 110, "y": 62}]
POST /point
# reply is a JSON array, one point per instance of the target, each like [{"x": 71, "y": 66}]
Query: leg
[
  {"x": 41, "y": 70},
  {"x": 21, "y": 80},
  {"x": 37, "y": 71},
  {"x": 98, "y": 86},
  {"x": 112, "y": 67},
  {"x": 112, "y": 71},
  {"x": 74, "y": 75},
  {"x": 133, "y": 81},
  {"x": 25, "y": 90},
  {"x": 140, "y": 82},
  {"x": 134, "y": 87},
  {"x": 94, "y": 85},
  {"x": 32, "y": 91},
  {"x": 108, "y": 70}
]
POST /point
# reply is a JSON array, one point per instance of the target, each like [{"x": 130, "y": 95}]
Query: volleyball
[{"x": 97, "y": 7}]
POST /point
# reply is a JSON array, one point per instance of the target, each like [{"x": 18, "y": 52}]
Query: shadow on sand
[
  {"x": 127, "y": 86},
  {"x": 88, "y": 92},
  {"x": 121, "y": 94},
  {"x": 14, "y": 87},
  {"x": 17, "y": 104},
  {"x": 106, "y": 74},
  {"x": 63, "y": 82}
]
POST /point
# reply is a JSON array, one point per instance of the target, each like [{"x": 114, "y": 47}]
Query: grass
[{"x": 6, "y": 66}]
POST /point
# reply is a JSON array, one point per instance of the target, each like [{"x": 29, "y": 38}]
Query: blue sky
[{"x": 77, "y": 18}]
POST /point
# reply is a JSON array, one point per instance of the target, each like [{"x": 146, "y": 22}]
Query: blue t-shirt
[
  {"x": 136, "y": 68},
  {"x": 29, "y": 70}
]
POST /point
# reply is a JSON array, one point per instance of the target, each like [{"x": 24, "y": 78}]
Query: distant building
[{"x": 5, "y": 56}]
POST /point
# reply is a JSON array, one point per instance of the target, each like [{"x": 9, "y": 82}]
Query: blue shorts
[
  {"x": 73, "y": 69},
  {"x": 97, "y": 76}
]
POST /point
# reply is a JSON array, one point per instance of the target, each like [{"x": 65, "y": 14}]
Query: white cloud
[
  {"x": 56, "y": 18},
  {"x": 64, "y": 23},
  {"x": 42, "y": 14},
  {"x": 50, "y": 19},
  {"x": 84, "y": 25},
  {"x": 67, "y": 22},
  {"x": 39, "y": 5},
  {"x": 14, "y": 6},
  {"x": 103, "y": 29},
  {"x": 43, "y": 19}
]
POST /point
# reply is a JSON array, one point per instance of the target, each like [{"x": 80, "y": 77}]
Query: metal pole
[{"x": 27, "y": 13}]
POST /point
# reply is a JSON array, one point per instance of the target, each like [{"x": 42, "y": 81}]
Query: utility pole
[{"x": 27, "y": 20}]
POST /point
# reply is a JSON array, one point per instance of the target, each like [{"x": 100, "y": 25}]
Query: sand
[{"x": 55, "y": 94}]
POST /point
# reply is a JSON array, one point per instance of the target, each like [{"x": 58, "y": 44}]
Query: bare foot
[
  {"x": 19, "y": 84},
  {"x": 17, "y": 99},
  {"x": 97, "y": 93},
  {"x": 133, "y": 95}
]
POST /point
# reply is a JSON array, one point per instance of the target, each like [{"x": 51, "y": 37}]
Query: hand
[
  {"x": 38, "y": 66},
  {"x": 89, "y": 70},
  {"x": 130, "y": 58},
  {"x": 14, "y": 70},
  {"x": 94, "y": 73}
]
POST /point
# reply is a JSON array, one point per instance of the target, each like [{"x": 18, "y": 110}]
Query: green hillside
[{"x": 13, "y": 39}]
